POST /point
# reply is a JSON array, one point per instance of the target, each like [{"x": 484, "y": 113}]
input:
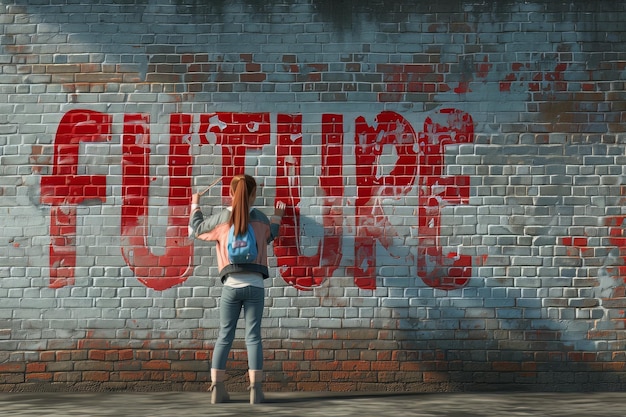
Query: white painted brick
[{"x": 527, "y": 191}]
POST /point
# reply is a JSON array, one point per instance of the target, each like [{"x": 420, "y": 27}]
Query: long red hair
[{"x": 242, "y": 187}]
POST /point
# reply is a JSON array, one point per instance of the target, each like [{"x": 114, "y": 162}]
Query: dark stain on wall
[{"x": 345, "y": 14}]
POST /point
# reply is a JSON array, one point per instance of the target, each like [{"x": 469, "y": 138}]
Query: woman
[{"x": 243, "y": 283}]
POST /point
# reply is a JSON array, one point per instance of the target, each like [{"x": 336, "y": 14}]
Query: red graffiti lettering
[
  {"x": 297, "y": 269},
  {"x": 617, "y": 238},
  {"x": 448, "y": 126},
  {"x": 236, "y": 133},
  {"x": 64, "y": 189},
  {"x": 164, "y": 271},
  {"x": 392, "y": 135},
  {"x": 389, "y": 157}
]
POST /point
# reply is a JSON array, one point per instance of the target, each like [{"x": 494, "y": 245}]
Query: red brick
[
  {"x": 253, "y": 67},
  {"x": 293, "y": 344},
  {"x": 291, "y": 365},
  {"x": 156, "y": 365},
  {"x": 97, "y": 355},
  {"x": 614, "y": 367},
  {"x": 186, "y": 355},
  {"x": 47, "y": 356},
  {"x": 164, "y": 355},
  {"x": 383, "y": 356},
  {"x": 39, "y": 377},
  {"x": 153, "y": 345},
  {"x": 142, "y": 355},
  {"x": 253, "y": 77},
  {"x": 187, "y": 58},
  {"x": 35, "y": 367},
  {"x": 96, "y": 376},
  {"x": 125, "y": 354},
  {"x": 91, "y": 67},
  {"x": 12, "y": 367},
  {"x": 385, "y": 366}
]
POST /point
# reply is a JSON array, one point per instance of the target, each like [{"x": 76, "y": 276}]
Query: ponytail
[{"x": 242, "y": 188}]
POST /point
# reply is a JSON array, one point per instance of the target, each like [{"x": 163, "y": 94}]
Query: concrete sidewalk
[{"x": 194, "y": 404}]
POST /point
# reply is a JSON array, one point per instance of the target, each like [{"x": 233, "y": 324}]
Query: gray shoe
[
  {"x": 256, "y": 394},
  {"x": 218, "y": 393}
]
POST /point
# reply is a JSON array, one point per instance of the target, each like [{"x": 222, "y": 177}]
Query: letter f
[{"x": 64, "y": 189}]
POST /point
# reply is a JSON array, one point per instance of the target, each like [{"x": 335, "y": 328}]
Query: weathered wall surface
[{"x": 453, "y": 172}]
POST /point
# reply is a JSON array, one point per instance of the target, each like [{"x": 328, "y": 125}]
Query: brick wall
[{"x": 453, "y": 172}]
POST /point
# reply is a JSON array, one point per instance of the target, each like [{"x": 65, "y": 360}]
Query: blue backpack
[{"x": 242, "y": 249}]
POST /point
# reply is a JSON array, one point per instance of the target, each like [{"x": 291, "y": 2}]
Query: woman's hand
[
  {"x": 279, "y": 209},
  {"x": 195, "y": 198}
]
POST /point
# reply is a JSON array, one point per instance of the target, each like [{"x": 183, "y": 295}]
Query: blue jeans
[{"x": 251, "y": 299}]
